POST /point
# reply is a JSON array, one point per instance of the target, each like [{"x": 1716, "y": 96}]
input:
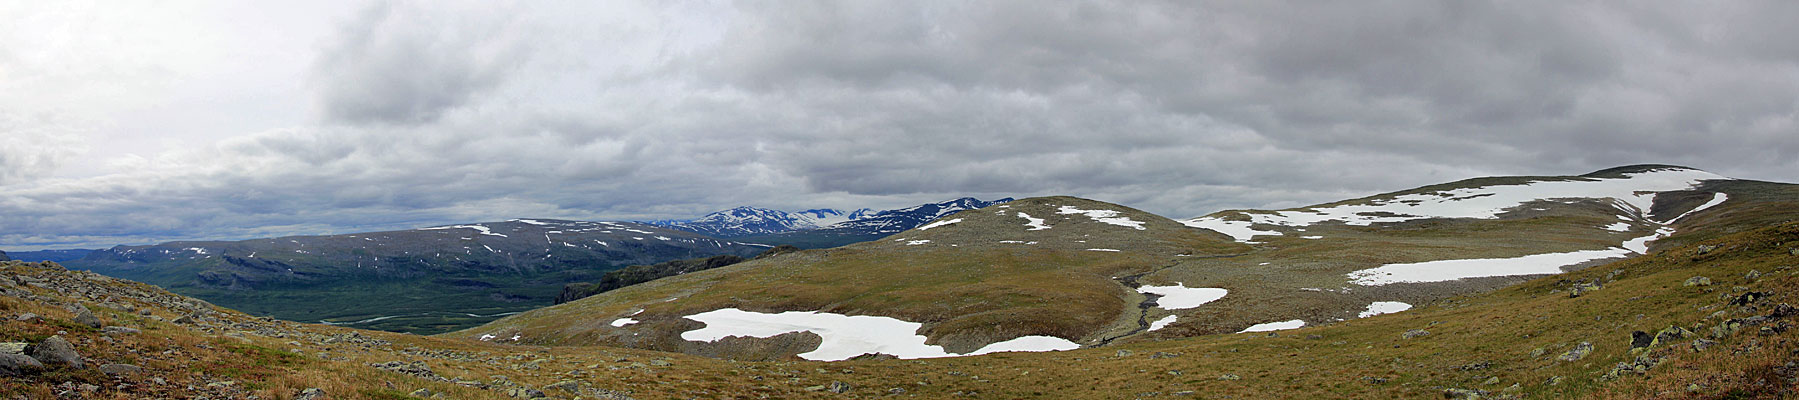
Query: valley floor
[{"x": 1707, "y": 320}]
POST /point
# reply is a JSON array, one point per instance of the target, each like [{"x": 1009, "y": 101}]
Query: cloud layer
[{"x": 405, "y": 114}]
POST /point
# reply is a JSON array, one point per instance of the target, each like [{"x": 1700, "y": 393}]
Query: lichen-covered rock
[
  {"x": 56, "y": 351},
  {"x": 1698, "y": 281},
  {"x": 1578, "y": 352},
  {"x": 17, "y": 364}
]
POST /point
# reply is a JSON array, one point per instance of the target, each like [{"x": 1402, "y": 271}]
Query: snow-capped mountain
[
  {"x": 753, "y": 221},
  {"x": 895, "y": 221}
]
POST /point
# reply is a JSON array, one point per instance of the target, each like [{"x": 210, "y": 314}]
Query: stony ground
[{"x": 1709, "y": 320}]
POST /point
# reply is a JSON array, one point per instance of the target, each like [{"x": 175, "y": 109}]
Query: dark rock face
[{"x": 56, "y": 351}]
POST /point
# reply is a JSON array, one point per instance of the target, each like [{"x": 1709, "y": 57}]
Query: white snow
[
  {"x": 1384, "y": 307},
  {"x": 196, "y": 250},
  {"x": 483, "y": 229},
  {"x": 1311, "y": 237},
  {"x": 621, "y": 322},
  {"x": 1274, "y": 326},
  {"x": 1028, "y": 343},
  {"x": 939, "y": 223},
  {"x": 847, "y": 336},
  {"x": 1641, "y": 245},
  {"x": 1717, "y": 198},
  {"x": 1036, "y": 224},
  {"x": 1103, "y": 216},
  {"x": 1618, "y": 227},
  {"x": 1449, "y": 270},
  {"x": 532, "y": 221},
  {"x": 1238, "y": 230},
  {"x": 1108, "y": 250},
  {"x": 1161, "y": 323},
  {"x": 916, "y": 242},
  {"x": 487, "y": 337},
  {"x": 1177, "y": 296},
  {"x": 1637, "y": 191},
  {"x": 662, "y": 238}
]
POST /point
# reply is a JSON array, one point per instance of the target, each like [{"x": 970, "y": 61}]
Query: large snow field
[
  {"x": 1635, "y": 191},
  {"x": 848, "y": 336},
  {"x": 1274, "y": 326},
  {"x": 1102, "y": 216},
  {"x": 1383, "y": 307}
]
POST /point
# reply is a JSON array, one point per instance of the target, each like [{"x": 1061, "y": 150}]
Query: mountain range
[
  {"x": 822, "y": 228},
  {"x": 1646, "y": 281}
]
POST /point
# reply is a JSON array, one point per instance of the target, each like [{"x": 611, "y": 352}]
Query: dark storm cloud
[{"x": 437, "y": 113}]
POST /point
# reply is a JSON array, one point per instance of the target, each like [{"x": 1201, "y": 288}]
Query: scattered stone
[
  {"x": 415, "y": 368},
  {"x": 55, "y": 350},
  {"x": 120, "y": 369},
  {"x": 1374, "y": 380},
  {"x": 1229, "y": 377},
  {"x": 1701, "y": 344},
  {"x": 1793, "y": 251},
  {"x": 1639, "y": 366},
  {"x": 1694, "y": 388},
  {"x": 319, "y": 394},
  {"x": 1475, "y": 366},
  {"x": 815, "y": 388},
  {"x": 26, "y": 317},
  {"x": 120, "y": 330},
  {"x": 1537, "y": 352},
  {"x": 1125, "y": 353},
  {"x": 524, "y": 393},
  {"x": 660, "y": 363},
  {"x": 1555, "y": 380},
  {"x": 1749, "y": 298},
  {"x": 1752, "y": 275},
  {"x": 838, "y": 387},
  {"x": 221, "y": 385},
  {"x": 1469, "y": 394},
  {"x": 1698, "y": 281},
  {"x": 422, "y": 392},
  {"x": 1163, "y": 354},
  {"x": 1414, "y": 333},
  {"x": 13, "y": 348},
  {"x": 17, "y": 364},
  {"x": 1578, "y": 352},
  {"x": 569, "y": 386},
  {"x": 1640, "y": 339},
  {"x": 1182, "y": 393},
  {"x": 85, "y": 317},
  {"x": 1704, "y": 248},
  {"x": 1582, "y": 288},
  {"x": 1491, "y": 381}
]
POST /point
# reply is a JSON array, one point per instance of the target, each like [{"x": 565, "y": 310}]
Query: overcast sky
[{"x": 145, "y": 122}]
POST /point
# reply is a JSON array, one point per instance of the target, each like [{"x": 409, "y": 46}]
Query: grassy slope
[
  {"x": 1472, "y": 340},
  {"x": 967, "y": 287}
]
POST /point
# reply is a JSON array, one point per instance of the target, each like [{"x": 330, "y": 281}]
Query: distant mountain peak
[{"x": 749, "y": 220}]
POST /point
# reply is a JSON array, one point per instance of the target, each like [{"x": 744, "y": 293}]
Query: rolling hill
[
  {"x": 1062, "y": 272},
  {"x": 422, "y": 280}
]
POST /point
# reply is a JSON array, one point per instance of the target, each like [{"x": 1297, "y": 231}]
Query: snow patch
[
  {"x": 1449, "y": 270},
  {"x": 621, "y": 322},
  {"x": 1103, "y": 216},
  {"x": 1107, "y": 250},
  {"x": 1274, "y": 326},
  {"x": 1161, "y": 323},
  {"x": 1036, "y": 224},
  {"x": 531, "y": 221},
  {"x": 917, "y": 242},
  {"x": 1641, "y": 245},
  {"x": 1237, "y": 230},
  {"x": 1717, "y": 198},
  {"x": 939, "y": 223},
  {"x": 1383, "y": 307},
  {"x": 1618, "y": 227},
  {"x": 1178, "y": 296},
  {"x": 848, "y": 336},
  {"x": 483, "y": 229}
]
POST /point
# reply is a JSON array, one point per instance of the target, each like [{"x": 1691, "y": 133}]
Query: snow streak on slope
[
  {"x": 1636, "y": 191},
  {"x": 848, "y": 336},
  {"x": 1717, "y": 198}
]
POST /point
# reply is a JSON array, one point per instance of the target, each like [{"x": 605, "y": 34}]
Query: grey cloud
[
  {"x": 440, "y": 115},
  {"x": 410, "y": 63}
]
